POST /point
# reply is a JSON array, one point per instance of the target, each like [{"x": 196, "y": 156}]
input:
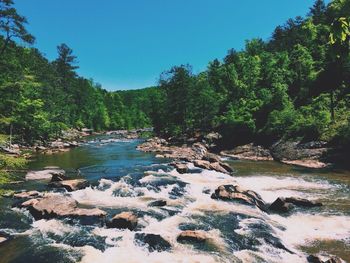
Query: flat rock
[
  {"x": 317, "y": 259},
  {"x": 124, "y": 220},
  {"x": 154, "y": 242},
  {"x": 283, "y": 205},
  {"x": 158, "y": 203},
  {"x": 52, "y": 206},
  {"x": 71, "y": 185},
  {"x": 302, "y": 202},
  {"x": 194, "y": 236},
  {"x": 235, "y": 193},
  {"x": 2, "y": 240},
  {"x": 29, "y": 194},
  {"x": 46, "y": 174},
  {"x": 249, "y": 152},
  {"x": 216, "y": 166}
]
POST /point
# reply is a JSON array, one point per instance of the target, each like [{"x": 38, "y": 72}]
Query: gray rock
[
  {"x": 154, "y": 242},
  {"x": 51, "y": 206},
  {"x": 71, "y": 185},
  {"x": 193, "y": 236},
  {"x": 235, "y": 193},
  {"x": 46, "y": 174},
  {"x": 124, "y": 220}
]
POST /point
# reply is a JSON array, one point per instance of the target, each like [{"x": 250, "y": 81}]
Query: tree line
[
  {"x": 293, "y": 85},
  {"x": 41, "y": 98}
]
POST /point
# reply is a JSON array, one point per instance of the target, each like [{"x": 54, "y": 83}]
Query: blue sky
[{"x": 126, "y": 44}]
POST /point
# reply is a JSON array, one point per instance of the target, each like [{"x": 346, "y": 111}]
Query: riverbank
[{"x": 308, "y": 155}]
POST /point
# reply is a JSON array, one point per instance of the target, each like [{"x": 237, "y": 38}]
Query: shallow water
[{"x": 124, "y": 179}]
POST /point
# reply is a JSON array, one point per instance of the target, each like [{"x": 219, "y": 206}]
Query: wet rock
[
  {"x": 29, "y": 194},
  {"x": 210, "y": 166},
  {"x": 185, "y": 153},
  {"x": 154, "y": 242},
  {"x": 194, "y": 236},
  {"x": 46, "y": 174},
  {"x": 302, "y": 202},
  {"x": 283, "y": 205},
  {"x": 249, "y": 152},
  {"x": 70, "y": 185},
  {"x": 51, "y": 206},
  {"x": 211, "y": 157},
  {"x": 158, "y": 203},
  {"x": 124, "y": 220},
  {"x": 316, "y": 259},
  {"x": 180, "y": 167},
  {"x": 308, "y": 155},
  {"x": 280, "y": 205},
  {"x": 2, "y": 239},
  {"x": 333, "y": 260},
  {"x": 235, "y": 193}
]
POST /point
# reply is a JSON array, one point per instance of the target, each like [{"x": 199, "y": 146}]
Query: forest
[{"x": 293, "y": 85}]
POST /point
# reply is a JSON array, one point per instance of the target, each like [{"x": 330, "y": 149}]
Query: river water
[{"x": 124, "y": 179}]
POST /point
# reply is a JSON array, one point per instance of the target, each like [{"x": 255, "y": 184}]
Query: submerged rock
[
  {"x": 71, "y": 185},
  {"x": 158, "y": 203},
  {"x": 195, "y": 236},
  {"x": 235, "y": 193},
  {"x": 124, "y": 220},
  {"x": 46, "y": 174},
  {"x": 154, "y": 242},
  {"x": 52, "y": 206},
  {"x": 283, "y": 205}
]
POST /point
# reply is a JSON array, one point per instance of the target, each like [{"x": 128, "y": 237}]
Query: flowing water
[{"x": 124, "y": 179}]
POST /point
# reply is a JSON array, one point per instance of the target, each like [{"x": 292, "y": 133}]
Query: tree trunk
[{"x": 332, "y": 105}]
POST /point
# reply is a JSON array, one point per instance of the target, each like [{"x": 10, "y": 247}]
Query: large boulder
[
  {"x": 283, "y": 205},
  {"x": 71, "y": 185},
  {"x": 193, "y": 236},
  {"x": 154, "y": 242},
  {"x": 308, "y": 155},
  {"x": 249, "y": 152},
  {"x": 235, "y": 193},
  {"x": 51, "y": 206},
  {"x": 216, "y": 166},
  {"x": 124, "y": 220},
  {"x": 46, "y": 174}
]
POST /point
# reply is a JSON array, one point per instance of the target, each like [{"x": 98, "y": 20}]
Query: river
[{"x": 124, "y": 179}]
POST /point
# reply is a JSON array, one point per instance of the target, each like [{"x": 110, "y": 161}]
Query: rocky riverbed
[{"x": 175, "y": 203}]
